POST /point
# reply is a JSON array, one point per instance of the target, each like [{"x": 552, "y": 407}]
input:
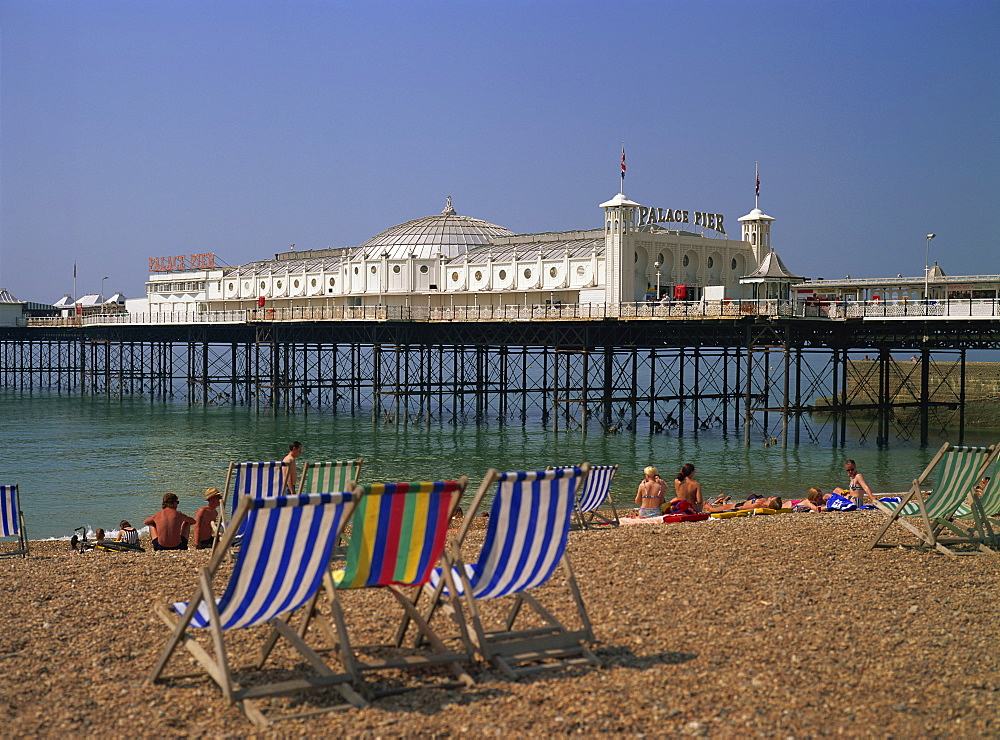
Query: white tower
[
  {"x": 757, "y": 231},
  {"x": 619, "y": 221}
]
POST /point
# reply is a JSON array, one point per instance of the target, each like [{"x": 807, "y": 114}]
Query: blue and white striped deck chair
[
  {"x": 256, "y": 479},
  {"x": 525, "y": 542},
  {"x": 595, "y": 493},
  {"x": 287, "y": 541},
  {"x": 12, "y": 520},
  {"x": 957, "y": 470}
]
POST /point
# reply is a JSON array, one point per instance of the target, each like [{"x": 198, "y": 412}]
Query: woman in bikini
[
  {"x": 857, "y": 488},
  {"x": 814, "y": 501},
  {"x": 651, "y": 493},
  {"x": 686, "y": 488}
]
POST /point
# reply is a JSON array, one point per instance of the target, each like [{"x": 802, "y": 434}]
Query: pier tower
[{"x": 619, "y": 257}]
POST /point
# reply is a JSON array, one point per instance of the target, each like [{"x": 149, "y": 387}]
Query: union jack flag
[
  {"x": 758, "y": 185},
  {"x": 623, "y": 165}
]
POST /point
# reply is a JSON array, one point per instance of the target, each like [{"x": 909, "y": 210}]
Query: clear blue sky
[{"x": 147, "y": 128}]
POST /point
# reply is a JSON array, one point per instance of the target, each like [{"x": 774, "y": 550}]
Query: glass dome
[{"x": 447, "y": 234}]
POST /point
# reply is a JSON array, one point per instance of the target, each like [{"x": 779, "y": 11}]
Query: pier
[{"x": 765, "y": 370}]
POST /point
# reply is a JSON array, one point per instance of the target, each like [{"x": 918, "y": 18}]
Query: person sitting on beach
[
  {"x": 815, "y": 500},
  {"x": 168, "y": 527},
  {"x": 205, "y": 519},
  {"x": 651, "y": 494},
  {"x": 99, "y": 535},
  {"x": 857, "y": 489},
  {"x": 127, "y": 534},
  {"x": 687, "y": 488}
]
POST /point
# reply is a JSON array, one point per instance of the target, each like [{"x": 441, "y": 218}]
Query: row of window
[{"x": 185, "y": 287}]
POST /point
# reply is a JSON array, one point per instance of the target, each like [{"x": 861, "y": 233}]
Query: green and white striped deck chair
[
  {"x": 957, "y": 470},
  {"x": 12, "y": 520},
  {"x": 981, "y": 506},
  {"x": 318, "y": 477}
]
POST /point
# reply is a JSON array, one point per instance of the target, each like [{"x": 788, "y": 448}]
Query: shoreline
[{"x": 777, "y": 626}]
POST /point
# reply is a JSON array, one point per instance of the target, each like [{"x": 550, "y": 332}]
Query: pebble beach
[{"x": 768, "y": 626}]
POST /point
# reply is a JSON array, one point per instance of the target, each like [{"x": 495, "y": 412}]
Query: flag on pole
[
  {"x": 74, "y": 270},
  {"x": 623, "y": 165},
  {"x": 758, "y": 184}
]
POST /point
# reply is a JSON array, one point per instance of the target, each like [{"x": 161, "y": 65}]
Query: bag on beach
[{"x": 836, "y": 502}]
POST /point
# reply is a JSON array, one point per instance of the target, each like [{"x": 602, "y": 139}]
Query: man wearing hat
[{"x": 206, "y": 517}]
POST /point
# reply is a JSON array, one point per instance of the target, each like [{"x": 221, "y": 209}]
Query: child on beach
[
  {"x": 651, "y": 493},
  {"x": 127, "y": 534}
]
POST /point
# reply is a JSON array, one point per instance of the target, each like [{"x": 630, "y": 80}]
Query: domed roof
[{"x": 447, "y": 234}]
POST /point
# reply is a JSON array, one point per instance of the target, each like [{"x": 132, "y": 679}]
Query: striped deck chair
[
  {"x": 398, "y": 535},
  {"x": 255, "y": 479},
  {"x": 525, "y": 542},
  {"x": 285, "y": 555},
  {"x": 957, "y": 470},
  {"x": 318, "y": 477},
  {"x": 12, "y": 520},
  {"x": 982, "y": 504},
  {"x": 596, "y": 493}
]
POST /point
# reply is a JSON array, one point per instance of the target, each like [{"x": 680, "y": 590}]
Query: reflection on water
[{"x": 84, "y": 460}]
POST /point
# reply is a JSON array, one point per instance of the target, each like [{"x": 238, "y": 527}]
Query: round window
[
  {"x": 279, "y": 285},
  {"x": 313, "y": 282},
  {"x": 395, "y": 269},
  {"x": 503, "y": 274},
  {"x": 479, "y": 275},
  {"x": 231, "y": 286},
  {"x": 262, "y": 285},
  {"x": 527, "y": 274},
  {"x": 332, "y": 280},
  {"x": 580, "y": 269},
  {"x": 687, "y": 260},
  {"x": 423, "y": 269},
  {"x": 454, "y": 277},
  {"x": 374, "y": 269},
  {"x": 296, "y": 283},
  {"x": 355, "y": 270},
  {"x": 553, "y": 272},
  {"x": 246, "y": 285},
  {"x": 711, "y": 262}
]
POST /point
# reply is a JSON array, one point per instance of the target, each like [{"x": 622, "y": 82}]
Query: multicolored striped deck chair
[
  {"x": 255, "y": 479},
  {"x": 287, "y": 541},
  {"x": 12, "y": 520},
  {"x": 525, "y": 542},
  {"x": 957, "y": 470},
  {"x": 398, "y": 534},
  {"x": 594, "y": 494},
  {"x": 329, "y": 476},
  {"x": 982, "y": 504}
]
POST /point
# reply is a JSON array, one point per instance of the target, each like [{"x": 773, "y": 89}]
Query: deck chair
[
  {"x": 254, "y": 479},
  {"x": 398, "y": 535},
  {"x": 329, "y": 476},
  {"x": 285, "y": 554},
  {"x": 12, "y": 520},
  {"x": 595, "y": 493},
  {"x": 957, "y": 469},
  {"x": 980, "y": 507},
  {"x": 525, "y": 541}
]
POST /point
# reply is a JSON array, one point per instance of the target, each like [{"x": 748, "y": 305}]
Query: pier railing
[{"x": 954, "y": 308}]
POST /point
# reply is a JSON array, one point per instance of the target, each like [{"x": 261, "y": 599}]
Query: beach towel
[{"x": 836, "y": 502}]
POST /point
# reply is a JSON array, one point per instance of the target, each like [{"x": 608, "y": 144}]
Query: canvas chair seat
[
  {"x": 595, "y": 493},
  {"x": 284, "y": 557},
  {"x": 254, "y": 479}
]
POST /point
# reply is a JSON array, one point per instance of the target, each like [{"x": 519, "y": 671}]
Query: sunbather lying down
[{"x": 759, "y": 502}]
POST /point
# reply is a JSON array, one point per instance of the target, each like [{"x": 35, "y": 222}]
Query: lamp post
[
  {"x": 102, "y": 286},
  {"x": 927, "y": 267},
  {"x": 657, "y": 265}
]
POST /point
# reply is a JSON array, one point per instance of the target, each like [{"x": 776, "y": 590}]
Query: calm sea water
[{"x": 90, "y": 461}]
